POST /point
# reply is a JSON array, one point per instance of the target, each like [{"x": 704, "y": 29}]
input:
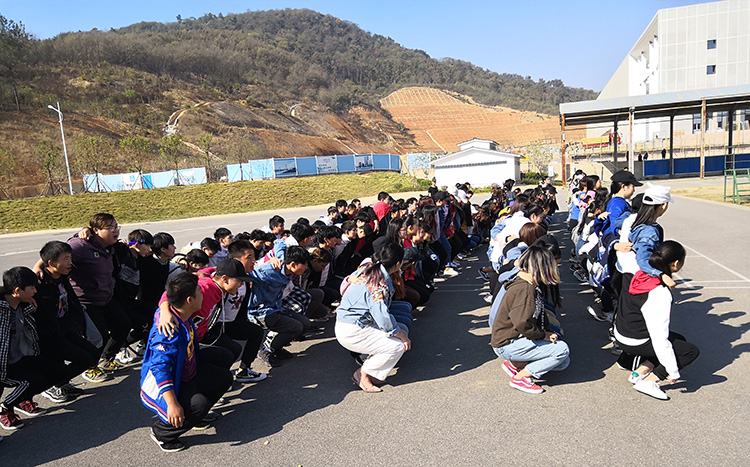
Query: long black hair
[
  {"x": 389, "y": 255},
  {"x": 665, "y": 254}
]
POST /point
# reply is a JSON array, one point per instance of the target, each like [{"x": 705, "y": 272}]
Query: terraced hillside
[{"x": 439, "y": 120}]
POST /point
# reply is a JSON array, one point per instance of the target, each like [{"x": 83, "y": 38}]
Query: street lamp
[{"x": 65, "y": 149}]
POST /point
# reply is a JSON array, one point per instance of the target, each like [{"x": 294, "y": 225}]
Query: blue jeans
[
  {"x": 401, "y": 312},
  {"x": 446, "y": 244},
  {"x": 542, "y": 356}
]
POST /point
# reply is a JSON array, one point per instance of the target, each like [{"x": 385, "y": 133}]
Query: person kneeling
[
  {"x": 175, "y": 385},
  {"x": 520, "y": 332}
]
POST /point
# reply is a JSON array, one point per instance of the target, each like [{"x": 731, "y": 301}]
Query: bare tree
[
  {"x": 539, "y": 155},
  {"x": 205, "y": 145},
  {"x": 91, "y": 156},
  {"x": 169, "y": 150},
  {"x": 138, "y": 151},
  {"x": 49, "y": 159},
  {"x": 7, "y": 166}
]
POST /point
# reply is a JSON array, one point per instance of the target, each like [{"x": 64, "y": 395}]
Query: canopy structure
[{"x": 632, "y": 108}]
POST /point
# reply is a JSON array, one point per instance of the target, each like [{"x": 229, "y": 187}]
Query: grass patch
[
  {"x": 711, "y": 193},
  {"x": 177, "y": 202}
]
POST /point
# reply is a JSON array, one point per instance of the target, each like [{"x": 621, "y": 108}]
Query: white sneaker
[
  {"x": 450, "y": 272},
  {"x": 488, "y": 298},
  {"x": 651, "y": 388},
  {"x": 635, "y": 377},
  {"x": 453, "y": 264},
  {"x": 125, "y": 356}
]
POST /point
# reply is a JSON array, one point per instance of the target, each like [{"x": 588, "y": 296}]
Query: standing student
[
  {"x": 642, "y": 327},
  {"x": 363, "y": 322},
  {"x": 177, "y": 385},
  {"x": 520, "y": 331}
]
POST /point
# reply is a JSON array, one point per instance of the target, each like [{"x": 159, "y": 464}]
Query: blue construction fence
[
  {"x": 137, "y": 181},
  {"x": 692, "y": 165},
  {"x": 317, "y": 165}
]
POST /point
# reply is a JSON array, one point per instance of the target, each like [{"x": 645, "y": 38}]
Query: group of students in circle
[
  {"x": 619, "y": 251},
  {"x": 97, "y": 303}
]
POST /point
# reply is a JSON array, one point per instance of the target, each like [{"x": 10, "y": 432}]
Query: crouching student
[
  {"x": 21, "y": 367},
  {"x": 175, "y": 385},
  {"x": 363, "y": 322},
  {"x": 520, "y": 331},
  {"x": 60, "y": 321},
  {"x": 642, "y": 325}
]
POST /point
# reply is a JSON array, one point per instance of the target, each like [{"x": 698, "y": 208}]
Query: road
[{"x": 449, "y": 402}]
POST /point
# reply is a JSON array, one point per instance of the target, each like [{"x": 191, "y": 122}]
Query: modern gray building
[{"x": 689, "y": 48}]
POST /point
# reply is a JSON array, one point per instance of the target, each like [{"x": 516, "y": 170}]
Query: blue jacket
[
  {"x": 162, "y": 365},
  {"x": 616, "y": 207},
  {"x": 645, "y": 239},
  {"x": 268, "y": 287},
  {"x": 366, "y": 306}
]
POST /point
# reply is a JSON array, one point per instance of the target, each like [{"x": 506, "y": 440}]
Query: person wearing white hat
[{"x": 646, "y": 233}]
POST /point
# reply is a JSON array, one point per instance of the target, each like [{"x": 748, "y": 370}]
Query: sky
[{"x": 581, "y": 42}]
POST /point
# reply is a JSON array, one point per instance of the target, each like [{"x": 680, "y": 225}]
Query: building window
[
  {"x": 696, "y": 123},
  {"x": 711, "y": 44},
  {"x": 711, "y": 70}
]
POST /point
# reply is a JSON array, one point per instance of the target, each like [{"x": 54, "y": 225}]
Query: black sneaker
[
  {"x": 167, "y": 446},
  {"x": 210, "y": 417},
  {"x": 283, "y": 354},
  {"x": 72, "y": 390},
  {"x": 268, "y": 358},
  {"x": 598, "y": 315},
  {"x": 56, "y": 394},
  {"x": 357, "y": 357}
]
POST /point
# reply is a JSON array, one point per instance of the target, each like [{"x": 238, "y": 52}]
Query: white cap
[{"x": 657, "y": 195}]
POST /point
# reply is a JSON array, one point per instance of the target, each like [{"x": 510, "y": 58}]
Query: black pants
[
  {"x": 113, "y": 324},
  {"x": 424, "y": 289},
  {"x": 196, "y": 397},
  {"x": 242, "y": 330},
  {"x": 287, "y": 328},
  {"x": 73, "y": 348},
  {"x": 438, "y": 249},
  {"x": 30, "y": 376},
  {"x": 141, "y": 317},
  {"x": 684, "y": 352}
]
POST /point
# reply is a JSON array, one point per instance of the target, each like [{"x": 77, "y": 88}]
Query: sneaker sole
[
  {"x": 30, "y": 414},
  {"x": 53, "y": 399},
  {"x": 527, "y": 390},
  {"x": 657, "y": 397},
  {"x": 596, "y": 315},
  {"x": 158, "y": 443},
  {"x": 251, "y": 380},
  {"x": 13, "y": 428}
]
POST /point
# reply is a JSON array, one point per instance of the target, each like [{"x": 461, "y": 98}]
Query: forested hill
[{"x": 299, "y": 54}]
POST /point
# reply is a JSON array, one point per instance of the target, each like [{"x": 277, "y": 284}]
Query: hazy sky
[{"x": 581, "y": 42}]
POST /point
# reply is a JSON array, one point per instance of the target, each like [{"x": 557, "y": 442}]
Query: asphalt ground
[{"x": 449, "y": 402}]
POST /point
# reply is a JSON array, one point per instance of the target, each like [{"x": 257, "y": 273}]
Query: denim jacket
[
  {"x": 368, "y": 306},
  {"x": 267, "y": 291},
  {"x": 645, "y": 239}
]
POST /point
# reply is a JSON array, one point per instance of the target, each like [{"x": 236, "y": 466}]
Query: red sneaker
[
  {"x": 30, "y": 409},
  {"x": 10, "y": 421},
  {"x": 526, "y": 385},
  {"x": 510, "y": 368}
]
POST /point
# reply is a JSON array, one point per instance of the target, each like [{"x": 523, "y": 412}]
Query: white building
[
  {"x": 478, "y": 162},
  {"x": 687, "y": 48}
]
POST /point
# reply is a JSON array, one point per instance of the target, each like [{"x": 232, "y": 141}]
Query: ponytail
[{"x": 665, "y": 254}]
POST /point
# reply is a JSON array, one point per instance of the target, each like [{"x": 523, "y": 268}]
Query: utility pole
[{"x": 65, "y": 149}]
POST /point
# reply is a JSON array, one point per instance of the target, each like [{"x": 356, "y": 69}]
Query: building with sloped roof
[{"x": 479, "y": 162}]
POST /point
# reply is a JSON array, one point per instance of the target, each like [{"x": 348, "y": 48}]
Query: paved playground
[{"x": 449, "y": 403}]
